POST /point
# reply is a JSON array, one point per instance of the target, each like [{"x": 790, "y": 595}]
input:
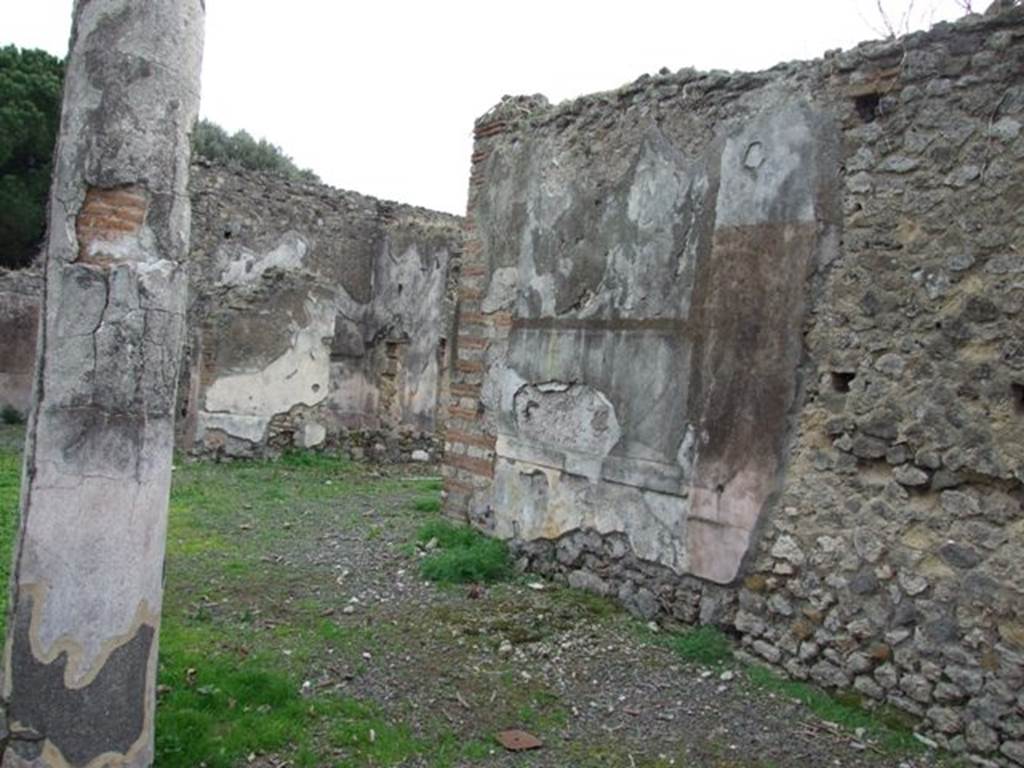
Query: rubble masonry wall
[{"x": 748, "y": 349}]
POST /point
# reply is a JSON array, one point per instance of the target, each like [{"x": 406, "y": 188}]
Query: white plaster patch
[
  {"x": 354, "y": 398},
  {"x": 298, "y": 377},
  {"x": 722, "y": 523},
  {"x": 546, "y": 503},
  {"x": 409, "y": 298},
  {"x": 577, "y": 417},
  {"x": 548, "y": 198},
  {"x": 240, "y": 426},
  {"x": 657, "y": 187},
  {"x": 245, "y": 266},
  {"x": 418, "y": 394},
  {"x": 500, "y": 386},
  {"x": 781, "y": 187},
  {"x": 666, "y": 194},
  {"x": 312, "y": 435},
  {"x": 116, "y": 513},
  {"x": 501, "y": 292},
  {"x": 133, "y": 248},
  {"x": 686, "y": 456}
]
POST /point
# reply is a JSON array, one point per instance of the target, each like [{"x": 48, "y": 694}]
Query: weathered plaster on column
[{"x": 80, "y": 661}]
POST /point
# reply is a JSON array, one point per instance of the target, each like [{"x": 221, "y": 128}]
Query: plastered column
[{"x": 81, "y": 655}]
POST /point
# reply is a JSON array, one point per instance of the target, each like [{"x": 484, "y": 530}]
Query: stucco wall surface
[{"x": 746, "y": 349}]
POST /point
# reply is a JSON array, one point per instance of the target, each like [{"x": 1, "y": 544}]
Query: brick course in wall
[{"x": 469, "y": 441}]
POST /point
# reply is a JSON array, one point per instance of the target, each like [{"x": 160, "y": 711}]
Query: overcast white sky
[{"x": 380, "y": 97}]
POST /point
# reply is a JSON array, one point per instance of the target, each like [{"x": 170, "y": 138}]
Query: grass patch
[
  {"x": 430, "y": 504},
  {"x": 705, "y": 645},
  {"x": 221, "y": 702},
  {"x": 893, "y": 730},
  {"x": 218, "y": 706},
  {"x": 463, "y": 555},
  {"x": 10, "y": 484},
  {"x": 314, "y": 460},
  {"x": 244, "y": 626}
]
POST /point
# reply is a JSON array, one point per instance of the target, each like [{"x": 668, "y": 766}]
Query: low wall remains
[{"x": 746, "y": 349}]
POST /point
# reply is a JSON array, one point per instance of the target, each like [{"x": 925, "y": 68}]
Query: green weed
[
  {"x": 10, "y": 484},
  {"x": 430, "y": 504},
  {"x": 890, "y": 728},
  {"x": 705, "y": 645},
  {"x": 219, "y": 704},
  {"x": 463, "y": 555},
  {"x": 430, "y": 484},
  {"x": 314, "y": 460}
]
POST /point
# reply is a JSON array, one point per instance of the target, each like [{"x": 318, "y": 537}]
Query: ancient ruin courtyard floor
[{"x": 299, "y": 631}]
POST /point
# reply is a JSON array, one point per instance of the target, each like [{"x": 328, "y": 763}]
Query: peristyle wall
[
  {"x": 318, "y": 314},
  {"x": 746, "y": 349}
]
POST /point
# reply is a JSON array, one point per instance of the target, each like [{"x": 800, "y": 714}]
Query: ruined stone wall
[
  {"x": 317, "y": 316},
  {"x": 747, "y": 350},
  {"x": 20, "y": 292}
]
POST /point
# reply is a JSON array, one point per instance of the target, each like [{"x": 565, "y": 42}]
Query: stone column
[{"x": 81, "y": 654}]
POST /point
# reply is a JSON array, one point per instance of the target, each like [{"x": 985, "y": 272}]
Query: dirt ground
[
  {"x": 309, "y": 568},
  {"x": 598, "y": 687}
]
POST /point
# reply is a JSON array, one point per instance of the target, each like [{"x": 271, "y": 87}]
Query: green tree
[
  {"x": 212, "y": 142},
  {"x": 30, "y": 97},
  {"x": 30, "y": 92}
]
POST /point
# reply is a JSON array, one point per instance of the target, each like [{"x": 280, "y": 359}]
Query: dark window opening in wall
[
  {"x": 227, "y": 234},
  {"x": 841, "y": 381},
  {"x": 1017, "y": 396},
  {"x": 867, "y": 106}
]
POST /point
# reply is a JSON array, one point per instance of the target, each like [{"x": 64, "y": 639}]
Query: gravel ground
[
  {"x": 596, "y": 686},
  {"x": 593, "y": 683}
]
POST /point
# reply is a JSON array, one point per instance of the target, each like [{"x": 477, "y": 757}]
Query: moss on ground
[{"x": 705, "y": 645}]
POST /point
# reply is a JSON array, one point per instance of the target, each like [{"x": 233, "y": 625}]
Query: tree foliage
[
  {"x": 30, "y": 99},
  {"x": 30, "y": 91},
  {"x": 215, "y": 144}
]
